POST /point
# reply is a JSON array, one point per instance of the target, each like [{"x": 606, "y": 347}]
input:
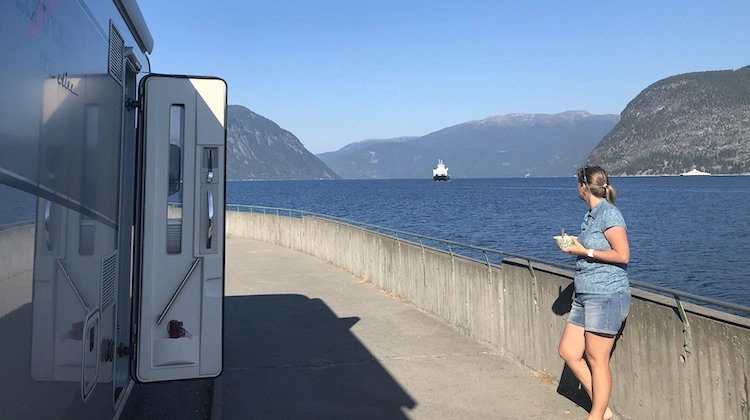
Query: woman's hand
[
  {"x": 576, "y": 248},
  {"x": 619, "y": 252}
]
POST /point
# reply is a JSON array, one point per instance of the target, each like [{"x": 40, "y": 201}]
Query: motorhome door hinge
[{"x": 132, "y": 104}]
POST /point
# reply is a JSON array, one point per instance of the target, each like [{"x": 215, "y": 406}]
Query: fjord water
[{"x": 686, "y": 233}]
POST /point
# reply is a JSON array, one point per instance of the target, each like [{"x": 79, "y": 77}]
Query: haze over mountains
[
  {"x": 695, "y": 120},
  {"x": 513, "y": 145}
]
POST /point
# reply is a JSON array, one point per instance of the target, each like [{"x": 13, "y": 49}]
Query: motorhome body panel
[{"x": 64, "y": 228}]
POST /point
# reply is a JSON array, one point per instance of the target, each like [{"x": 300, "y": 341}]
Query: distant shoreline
[{"x": 500, "y": 177}]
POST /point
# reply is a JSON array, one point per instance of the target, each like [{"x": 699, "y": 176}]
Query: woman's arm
[{"x": 618, "y": 241}]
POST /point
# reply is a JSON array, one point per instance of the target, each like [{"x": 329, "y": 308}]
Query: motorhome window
[
  {"x": 174, "y": 194},
  {"x": 87, "y": 226}
]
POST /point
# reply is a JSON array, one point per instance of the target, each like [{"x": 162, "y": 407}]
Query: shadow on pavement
[
  {"x": 188, "y": 399},
  {"x": 289, "y": 356}
]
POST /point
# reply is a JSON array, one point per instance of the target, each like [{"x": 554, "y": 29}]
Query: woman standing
[{"x": 602, "y": 291}]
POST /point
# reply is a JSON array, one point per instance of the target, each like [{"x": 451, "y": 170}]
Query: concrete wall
[
  {"x": 16, "y": 251},
  {"x": 519, "y": 310}
]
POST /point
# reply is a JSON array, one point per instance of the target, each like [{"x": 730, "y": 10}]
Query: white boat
[
  {"x": 695, "y": 172},
  {"x": 440, "y": 173}
]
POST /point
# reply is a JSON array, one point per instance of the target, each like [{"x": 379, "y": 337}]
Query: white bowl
[{"x": 563, "y": 241}]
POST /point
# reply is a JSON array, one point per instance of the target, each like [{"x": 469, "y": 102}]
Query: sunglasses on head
[{"x": 585, "y": 177}]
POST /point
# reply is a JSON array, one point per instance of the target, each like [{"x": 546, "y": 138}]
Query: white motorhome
[{"x": 111, "y": 212}]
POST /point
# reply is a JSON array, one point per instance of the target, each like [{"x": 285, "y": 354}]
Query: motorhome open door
[{"x": 179, "y": 229}]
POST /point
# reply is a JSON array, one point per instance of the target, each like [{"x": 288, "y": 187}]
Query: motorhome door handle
[
  {"x": 210, "y": 176},
  {"x": 210, "y": 227}
]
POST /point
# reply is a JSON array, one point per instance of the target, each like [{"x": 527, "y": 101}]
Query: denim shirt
[{"x": 593, "y": 276}]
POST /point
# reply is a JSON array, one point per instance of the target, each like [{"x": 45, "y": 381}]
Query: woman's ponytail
[
  {"x": 610, "y": 193},
  {"x": 597, "y": 180}
]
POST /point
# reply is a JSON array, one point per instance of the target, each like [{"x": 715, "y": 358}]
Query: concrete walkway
[{"x": 307, "y": 340}]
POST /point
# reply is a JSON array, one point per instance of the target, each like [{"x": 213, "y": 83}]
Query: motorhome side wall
[{"x": 66, "y": 199}]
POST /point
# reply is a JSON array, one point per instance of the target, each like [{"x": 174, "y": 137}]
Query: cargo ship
[{"x": 440, "y": 173}]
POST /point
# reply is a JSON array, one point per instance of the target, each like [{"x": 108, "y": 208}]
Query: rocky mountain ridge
[
  {"x": 690, "y": 121},
  {"x": 257, "y": 148}
]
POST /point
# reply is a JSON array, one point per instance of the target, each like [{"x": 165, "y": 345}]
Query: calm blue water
[{"x": 686, "y": 233}]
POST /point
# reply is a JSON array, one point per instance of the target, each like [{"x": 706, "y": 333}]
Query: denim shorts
[{"x": 601, "y": 314}]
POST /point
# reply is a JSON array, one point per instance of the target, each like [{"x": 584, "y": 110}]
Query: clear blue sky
[{"x": 338, "y": 71}]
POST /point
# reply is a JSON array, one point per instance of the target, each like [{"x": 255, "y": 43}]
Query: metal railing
[{"x": 488, "y": 256}]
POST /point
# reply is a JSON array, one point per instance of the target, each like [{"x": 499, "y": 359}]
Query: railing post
[
  {"x": 489, "y": 267},
  {"x": 400, "y": 257},
  {"x": 686, "y": 335},
  {"x": 534, "y": 286},
  {"x": 424, "y": 263}
]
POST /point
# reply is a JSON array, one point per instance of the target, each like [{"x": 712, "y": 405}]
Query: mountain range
[
  {"x": 691, "y": 121},
  {"x": 512, "y": 145}
]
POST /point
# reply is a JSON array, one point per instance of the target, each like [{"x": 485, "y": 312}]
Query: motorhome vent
[
  {"x": 116, "y": 55},
  {"x": 86, "y": 236},
  {"x": 109, "y": 280}
]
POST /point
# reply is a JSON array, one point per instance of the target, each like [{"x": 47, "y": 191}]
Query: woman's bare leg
[
  {"x": 571, "y": 349},
  {"x": 598, "y": 350}
]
